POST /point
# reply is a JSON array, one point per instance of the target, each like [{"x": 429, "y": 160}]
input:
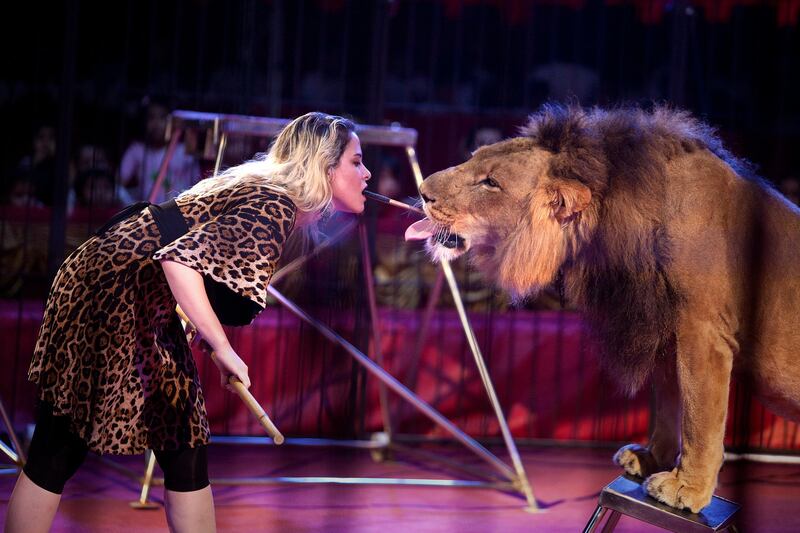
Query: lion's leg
[
  {"x": 662, "y": 450},
  {"x": 704, "y": 365}
]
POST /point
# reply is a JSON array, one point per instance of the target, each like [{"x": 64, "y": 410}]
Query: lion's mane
[{"x": 615, "y": 253}]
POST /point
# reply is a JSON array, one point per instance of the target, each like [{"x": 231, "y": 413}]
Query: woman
[{"x": 114, "y": 370}]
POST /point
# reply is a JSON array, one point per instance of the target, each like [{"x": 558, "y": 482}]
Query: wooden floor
[{"x": 566, "y": 482}]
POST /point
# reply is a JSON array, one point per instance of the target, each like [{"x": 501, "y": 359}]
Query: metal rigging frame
[
  {"x": 15, "y": 452},
  {"x": 512, "y": 478}
]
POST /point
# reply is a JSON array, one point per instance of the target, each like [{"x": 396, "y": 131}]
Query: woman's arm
[{"x": 187, "y": 287}]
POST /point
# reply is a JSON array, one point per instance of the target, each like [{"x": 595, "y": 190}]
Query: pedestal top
[{"x": 627, "y": 496}]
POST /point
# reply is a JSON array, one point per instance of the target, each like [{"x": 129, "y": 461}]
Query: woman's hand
[{"x": 230, "y": 364}]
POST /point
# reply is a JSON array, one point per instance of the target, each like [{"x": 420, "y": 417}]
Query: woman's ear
[{"x": 570, "y": 197}]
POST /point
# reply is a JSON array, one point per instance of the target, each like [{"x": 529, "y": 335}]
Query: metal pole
[
  {"x": 147, "y": 481},
  {"x": 595, "y": 520},
  {"x": 275, "y": 70},
  {"x": 300, "y": 261},
  {"x": 379, "y": 49},
  {"x": 424, "y": 326},
  {"x": 58, "y": 220},
  {"x": 162, "y": 170},
  {"x": 375, "y": 323},
  {"x": 20, "y": 453},
  {"x": 521, "y": 476},
  {"x": 433, "y": 300},
  {"x": 612, "y": 521},
  {"x": 223, "y": 142},
  {"x": 395, "y": 385}
]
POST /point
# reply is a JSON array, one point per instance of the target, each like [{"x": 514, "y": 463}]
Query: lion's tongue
[{"x": 420, "y": 230}]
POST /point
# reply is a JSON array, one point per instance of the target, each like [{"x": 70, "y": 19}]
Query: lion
[{"x": 685, "y": 264}]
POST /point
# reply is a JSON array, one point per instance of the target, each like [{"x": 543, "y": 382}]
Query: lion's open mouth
[
  {"x": 451, "y": 240},
  {"x": 438, "y": 236}
]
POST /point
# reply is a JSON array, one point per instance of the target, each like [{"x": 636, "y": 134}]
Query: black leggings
[{"x": 55, "y": 454}]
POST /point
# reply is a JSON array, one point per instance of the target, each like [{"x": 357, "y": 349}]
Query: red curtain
[{"x": 542, "y": 363}]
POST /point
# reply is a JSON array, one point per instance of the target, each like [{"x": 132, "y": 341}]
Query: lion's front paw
[
  {"x": 670, "y": 488},
  {"x": 636, "y": 460}
]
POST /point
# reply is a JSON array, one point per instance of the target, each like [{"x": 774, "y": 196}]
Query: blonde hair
[{"x": 297, "y": 163}]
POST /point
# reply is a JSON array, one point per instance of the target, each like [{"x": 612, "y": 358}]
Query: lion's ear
[{"x": 569, "y": 198}]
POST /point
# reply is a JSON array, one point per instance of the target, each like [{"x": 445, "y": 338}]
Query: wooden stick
[
  {"x": 248, "y": 399},
  {"x": 256, "y": 409},
  {"x": 386, "y": 200},
  {"x": 188, "y": 327}
]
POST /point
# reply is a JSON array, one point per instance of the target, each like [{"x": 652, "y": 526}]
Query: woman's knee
[
  {"x": 185, "y": 470},
  {"x": 55, "y": 453}
]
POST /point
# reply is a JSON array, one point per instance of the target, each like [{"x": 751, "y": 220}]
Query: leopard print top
[{"x": 111, "y": 354}]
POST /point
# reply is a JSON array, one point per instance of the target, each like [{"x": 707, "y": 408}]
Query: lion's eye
[{"x": 490, "y": 182}]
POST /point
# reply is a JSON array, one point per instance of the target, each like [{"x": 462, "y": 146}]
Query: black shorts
[{"x": 55, "y": 454}]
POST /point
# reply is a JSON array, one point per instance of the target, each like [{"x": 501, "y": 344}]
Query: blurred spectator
[
  {"x": 38, "y": 168},
  {"x": 142, "y": 159},
  {"x": 480, "y": 136},
  {"x": 568, "y": 81},
  {"x": 388, "y": 184},
  {"x": 23, "y": 238},
  {"x": 92, "y": 157},
  {"x": 21, "y": 193},
  {"x": 95, "y": 188},
  {"x": 95, "y": 185}
]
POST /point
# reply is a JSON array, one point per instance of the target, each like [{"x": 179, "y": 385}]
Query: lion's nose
[{"x": 427, "y": 199}]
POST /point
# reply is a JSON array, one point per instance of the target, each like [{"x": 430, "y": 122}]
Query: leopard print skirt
[{"x": 111, "y": 354}]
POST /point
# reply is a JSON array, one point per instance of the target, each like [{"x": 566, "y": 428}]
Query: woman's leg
[
  {"x": 187, "y": 495},
  {"x": 190, "y": 511},
  {"x": 31, "y": 508},
  {"x": 54, "y": 455}
]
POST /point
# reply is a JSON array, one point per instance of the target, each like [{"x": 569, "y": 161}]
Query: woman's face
[{"x": 349, "y": 179}]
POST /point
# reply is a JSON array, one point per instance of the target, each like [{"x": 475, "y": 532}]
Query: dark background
[{"x": 442, "y": 66}]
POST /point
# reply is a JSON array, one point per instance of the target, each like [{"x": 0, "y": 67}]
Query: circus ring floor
[{"x": 566, "y": 482}]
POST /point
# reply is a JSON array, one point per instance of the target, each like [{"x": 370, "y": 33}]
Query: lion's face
[
  {"x": 510, "y": 213},
  {"x": 484, "y": 199}
]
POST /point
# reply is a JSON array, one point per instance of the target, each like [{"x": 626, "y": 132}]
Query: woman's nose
[{"x": 369, "y": 174}]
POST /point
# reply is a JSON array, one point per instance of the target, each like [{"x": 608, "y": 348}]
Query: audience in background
[
  {"x": 21, "y": 192},
  {"x": 394, "y": 179},
  {"x": 38, "y": 168},
  {"x": 92, "y": 157},
  {"x": 95, "y": 186},
  {"x": 142, "y": 160},
  {"x": 477, "y": 137},
  {"x": 403, "y": 276},
  {"x": 95, "y": 189}
]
